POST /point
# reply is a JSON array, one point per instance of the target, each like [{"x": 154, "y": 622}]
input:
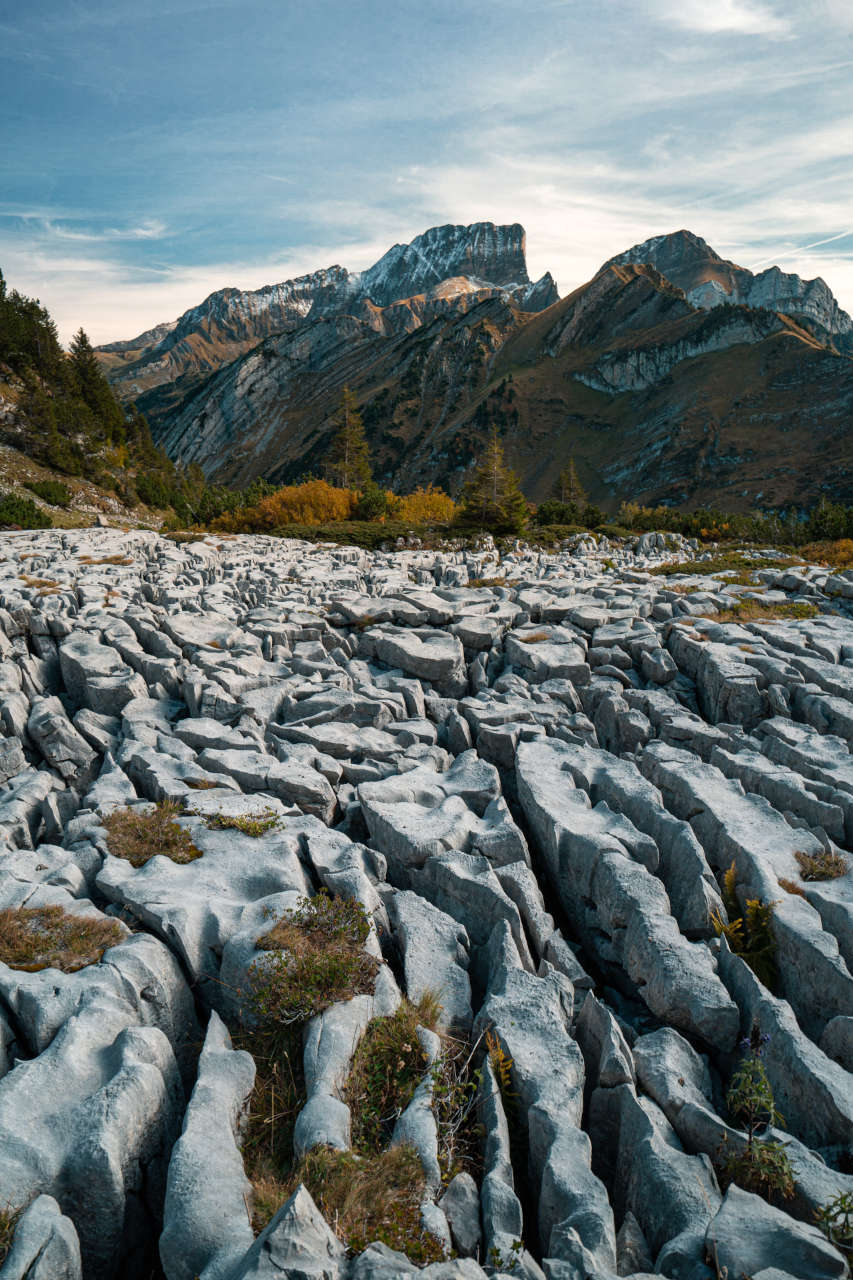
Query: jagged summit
[
  {"x": 479, "y": 259},
  {"x": 709, "y": 280}
]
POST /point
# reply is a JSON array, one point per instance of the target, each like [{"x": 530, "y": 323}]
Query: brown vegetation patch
[
  {"x": 759, "y": 611},
  {"x": 821, "y": 866},
  {"x": 371, "y": 1198},
  {"x": 137, "y": 836},
  {"x": 8, "y": 1223},
  {"x": 316, "y": 958},
  {"x": 251, "y": 824},
  {"x": 535, "y": 637},
  {"x": 116, "y": 559},
  {"x": 35, "y": 938}
]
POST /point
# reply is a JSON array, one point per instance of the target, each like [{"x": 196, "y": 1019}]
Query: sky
[{"x": 153, "y": 152}]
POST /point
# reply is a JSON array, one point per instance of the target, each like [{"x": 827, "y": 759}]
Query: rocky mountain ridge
[
  {"x": 655, "y": 398},
  {"x": 711, "y": 281},
  {"x": 476, "y": 261}
]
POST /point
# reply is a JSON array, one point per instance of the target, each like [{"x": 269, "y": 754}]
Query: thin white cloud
[{"x": 724, "y": 17}]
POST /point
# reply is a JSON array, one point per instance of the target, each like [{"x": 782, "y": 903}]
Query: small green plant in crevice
[
  {"x": 36, "y": 938},
  {"x": 475, "y": 583},
  {"x": 835, "y": 1219},
  {"x": 138, "y": 835},
  {"x": 367, "y": 1198},
  {"x": 749, "y": 935},
  {"x": 8, "y": 1222},
  {"x": 498, "y": 1262},
  {"x": 251, "y": 824},
  {"x": 763, "y": 1166},
  {"x": 315, "y": 957},
  {"x": 825, "y": 865},
  {"x": 387, "y": 1067}
]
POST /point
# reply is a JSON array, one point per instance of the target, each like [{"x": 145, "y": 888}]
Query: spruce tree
[
  {"x": 94, "y": 389},
  {"x": 348, "y": 464},
  {"x": 569, "y": 488},
  {"x": 492, "y": 498}
]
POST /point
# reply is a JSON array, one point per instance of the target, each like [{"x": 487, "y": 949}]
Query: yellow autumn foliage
[
  {"x": 314, "y": 502},
  {"x": 425, "y": 506}
]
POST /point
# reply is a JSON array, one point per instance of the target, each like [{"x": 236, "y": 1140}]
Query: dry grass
[
  {"x": 255, "y": 825},
  {"x": 8, "y": 1222},
  {"x": 535, "y": 637},
  {"x": 117, "y": 559},
  {"x": 42, "y": 583},
  {"x": 836, "y": 555},
  {"x": 137, "y": 836},
  {"x": 790, "y": 887},
  {"x": 35, "y": 938},
  {"x": 371, "y": 1198},
  {"x": 821, "y": 866},
  {"x": 487, "y": 582},
  {"x": 759, "y": 611},
  {"x": 277, "y": 1099}
]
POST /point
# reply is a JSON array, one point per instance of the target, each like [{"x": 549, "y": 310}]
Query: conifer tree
[
  {"x": 348, "y": 464},
  {"x": 94, "y": 388},
  {"x": 492, "y": 498},
  {"x": 569, "y": 488}
]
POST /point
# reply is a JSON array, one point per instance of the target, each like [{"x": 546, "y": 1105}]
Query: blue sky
[{"x": 152, "y": 152}]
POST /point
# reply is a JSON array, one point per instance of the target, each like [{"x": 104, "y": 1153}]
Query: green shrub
[
  {"x": 387, "y": 1067},
  {"x": 835, "y": 1219},
  {"x": 373, "y": 503},
  {"x": 22, "y": 513},
  {"x": 749, "y": 935},
  {"x": 52, "y": 491},
  {"x": 315, "y": 957}
]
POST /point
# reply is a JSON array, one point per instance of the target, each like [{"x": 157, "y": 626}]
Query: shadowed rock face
[{"x": 534, "y": 790}]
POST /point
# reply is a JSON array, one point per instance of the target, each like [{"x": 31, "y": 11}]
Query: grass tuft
[
  {"x": 821, "y": 866},
  {"x": 255, "y": 825},
  {"x": 368, "y": 1198},
  {"x": 137, "y": 836},
  {"x": 316, "y": 958},
  {"x": 35, "y": 938},
  {"x": 761, "y": 611},
  {"x": 8, "y": 1223},
  {"x": 387, "y": 1067}
]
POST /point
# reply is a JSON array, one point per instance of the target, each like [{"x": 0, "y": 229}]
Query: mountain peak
[
  {"x": 484, "y": 252},
  {"x": 709, "y": 280}
]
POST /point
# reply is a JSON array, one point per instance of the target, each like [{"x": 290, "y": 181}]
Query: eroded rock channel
[{"x": 367, "y": 912}]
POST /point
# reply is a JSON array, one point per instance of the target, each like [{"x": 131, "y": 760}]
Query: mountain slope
[
  {"x": 655, "y": 397},
  {"x": 477, "y": 261},
  {"x": 710, "y": 281}
]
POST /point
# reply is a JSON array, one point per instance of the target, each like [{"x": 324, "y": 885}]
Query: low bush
[
  {"x": 370, "y": 1198},
  {"x": 52, "y": 491},
  {"x": 137, "y": 835},
  {"x": 387, "y": 1067},
  {"x": 315, "y": 957},
  {"x": 22, "y": 513},
  {"x": 35, "y": 938},
  {"x": 736, "y": 561},
  {"x": 256, "y": 825},
  {"x": 821, "y": 866},
  {"x": 424, "y": 506}
]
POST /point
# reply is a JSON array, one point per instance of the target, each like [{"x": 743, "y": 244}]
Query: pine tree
[
  {"x": 94, "y": 389},
  {"x": 348, "y": 464},
  {"x": 492, "y": 498},
  {"x": 569, "y": 488}
]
